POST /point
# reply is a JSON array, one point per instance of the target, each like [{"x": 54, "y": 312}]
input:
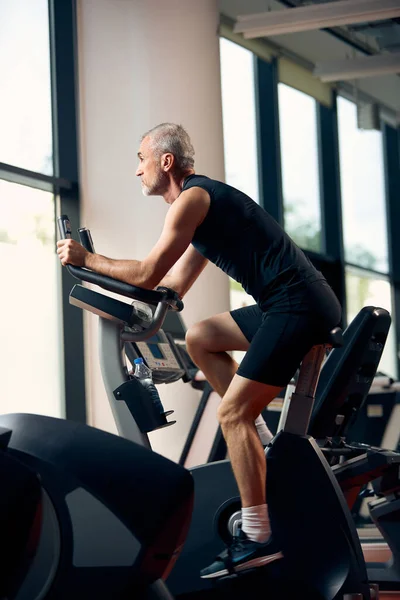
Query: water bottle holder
[
  {"x": 167, "y": 423},
  {"x": 141, "y": 407}
]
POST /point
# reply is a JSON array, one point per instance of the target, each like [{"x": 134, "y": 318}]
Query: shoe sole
[{"x": 256, "y": 562}]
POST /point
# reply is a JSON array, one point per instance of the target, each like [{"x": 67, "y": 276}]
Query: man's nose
[{"x": 139, "y": 171}]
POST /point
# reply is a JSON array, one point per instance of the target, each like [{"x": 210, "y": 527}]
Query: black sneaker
[{"x": 242, "y": 554}]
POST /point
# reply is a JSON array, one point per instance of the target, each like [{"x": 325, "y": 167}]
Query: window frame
[{"x": 64, "y": 185}]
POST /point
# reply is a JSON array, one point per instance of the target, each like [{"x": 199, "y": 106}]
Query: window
[
  {"x": 239, "y": 118},
  {"x": 25, "y": 99},
  {"x": 363, "y": 192},
  {"x": 367, "y": 289},
  {"x": 30, "y": 351},
  {"x": 239, "y": 127},
  {"x": 300, "y": 167},
  {"x": 35, "y": 369}
]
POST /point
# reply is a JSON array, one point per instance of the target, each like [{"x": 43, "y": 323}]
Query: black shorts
[{"x": 279, "y": 339}]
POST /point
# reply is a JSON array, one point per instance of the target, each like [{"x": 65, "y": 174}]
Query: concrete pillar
[{"x": 143, "y": 62}]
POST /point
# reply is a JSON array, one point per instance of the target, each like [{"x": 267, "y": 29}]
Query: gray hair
[{"x": 168, "y": 137}]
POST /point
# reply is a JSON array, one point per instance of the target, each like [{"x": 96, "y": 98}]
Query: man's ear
[{"x": 167, "y": 161}]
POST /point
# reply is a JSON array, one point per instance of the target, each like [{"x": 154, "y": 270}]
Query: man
[{"x": 208, "y": 220}]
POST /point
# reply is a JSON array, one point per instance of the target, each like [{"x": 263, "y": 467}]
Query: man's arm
[
  {"x": 183, "y": 217},
  {"x": 185, "y": 271}
]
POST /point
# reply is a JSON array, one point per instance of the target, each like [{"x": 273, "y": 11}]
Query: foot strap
[{"x": 226, "y": 558}]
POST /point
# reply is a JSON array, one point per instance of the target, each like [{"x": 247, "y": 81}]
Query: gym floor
[{"x": 379, "y": 552}]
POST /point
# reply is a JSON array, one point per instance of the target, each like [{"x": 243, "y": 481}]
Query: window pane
[
  {"x": 25, "y": 99},
  {"x": 240, "y": 135},
  {"x": 239, "y": 118},
  {"x": 364, "y": 289},
  {"x": 300, "y": 167},
  {"x": 30, "y": 350},
  {"x": 363, "y": 191}
]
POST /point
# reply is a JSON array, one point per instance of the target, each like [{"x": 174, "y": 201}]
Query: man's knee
[
  {"x": 195, "y": 338},
  {"x": 229, "y": 413},
  {"x": 204, "y": 336},
  {"x": 224, "y": 415},
  {"x": 244, "y": 401}
]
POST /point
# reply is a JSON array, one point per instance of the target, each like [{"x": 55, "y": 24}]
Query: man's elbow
[
  {"x": 148, "y": 283},
  {"x": 149, "y": 278}
]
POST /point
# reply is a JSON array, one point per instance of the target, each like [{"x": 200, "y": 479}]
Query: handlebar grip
[
  {"x": 86, "y": 239},
  {"x": 64, "y": 227},
  {"x": 176, "y": 303}
]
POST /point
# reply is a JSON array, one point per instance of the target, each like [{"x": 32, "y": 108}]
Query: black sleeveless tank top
[{"x": 243, "y": 240}]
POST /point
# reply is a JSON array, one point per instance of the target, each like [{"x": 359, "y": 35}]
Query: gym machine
[{"x": 319, "y": 518}]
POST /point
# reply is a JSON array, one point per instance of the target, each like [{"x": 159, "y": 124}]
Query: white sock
[
  {"x": 263, "y": 431},
  {"x": 255, "y": 523}
]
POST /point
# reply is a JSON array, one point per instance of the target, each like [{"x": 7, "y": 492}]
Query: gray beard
[
  {"x": 146, "y": 190},
  {"x": 156, "y": 188}
]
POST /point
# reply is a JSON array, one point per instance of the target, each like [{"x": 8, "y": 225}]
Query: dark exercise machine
[
  {"x": 75, "y": 513},
  {"x": 340, "y": 397},
  {"x": 342, "y": 390},
  {"x": 340, "y": 424},
  {"x": 318, "y": 519}
]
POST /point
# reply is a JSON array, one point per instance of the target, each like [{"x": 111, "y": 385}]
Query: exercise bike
[
  {"x": 343, "y": 389},
  {"x": 297, "y": 468}
]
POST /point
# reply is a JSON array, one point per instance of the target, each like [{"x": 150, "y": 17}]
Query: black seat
[
  {"x": 347, "y": 374},
  {"x": 333, "y": 338}
]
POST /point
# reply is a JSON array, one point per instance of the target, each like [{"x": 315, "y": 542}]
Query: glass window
[
  {"x": 239, "y": 128},
  {"x": 363, "y": 191},
  {"x": 366, "y": 289},
  {"x": 25, "y": 99},
  {"x": 300, "y": 167},
  {"x": 240, "y": 136},
  {"x": 239, "y": 118},
  {"x": 30, "y": 350}
]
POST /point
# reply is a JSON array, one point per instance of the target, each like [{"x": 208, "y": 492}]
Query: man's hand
[{"x": 71, "y": 253}]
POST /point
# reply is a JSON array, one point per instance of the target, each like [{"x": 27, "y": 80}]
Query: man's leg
[
  {"x": 208, "y": 343},
  {"x": 275, "y": 352},
  {"x": 242, "y": 403},
  {"x": 254, "y": 547}
]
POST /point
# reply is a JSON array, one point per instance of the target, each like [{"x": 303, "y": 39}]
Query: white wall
[{"x": 143, "y": 62}]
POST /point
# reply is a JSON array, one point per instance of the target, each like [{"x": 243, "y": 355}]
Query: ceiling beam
[
  {"x": 358, "y": 68},
  {"x": 316, "y": 16}
]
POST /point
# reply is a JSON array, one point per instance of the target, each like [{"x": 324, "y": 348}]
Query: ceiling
[{"x": 345, "y": 42}]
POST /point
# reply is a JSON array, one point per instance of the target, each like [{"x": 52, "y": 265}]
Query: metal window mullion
[
  {"x": 268, "y": 139},
  {"x": 331, "y": 207},
  {"x": 391, "y": 152},
  {"x": 33, "y": 179},
  {"x": 62, "y": 17},
  {"x": 378, "y": 274}
]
